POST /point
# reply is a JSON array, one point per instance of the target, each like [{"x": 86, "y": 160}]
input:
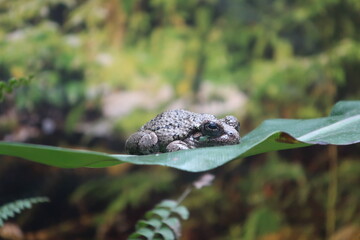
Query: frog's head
[{"x": 220, "y": 132}]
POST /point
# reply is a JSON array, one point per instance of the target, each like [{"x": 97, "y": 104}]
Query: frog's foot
[
  {"x": 143, "y": 142},
  {"x": 176, "y": 146}
]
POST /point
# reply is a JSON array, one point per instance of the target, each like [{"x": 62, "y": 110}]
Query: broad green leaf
[{"x": 342, "y": 127}]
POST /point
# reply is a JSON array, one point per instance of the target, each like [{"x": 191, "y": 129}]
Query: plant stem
[
  {"x": 332, "y": 192},
  {"x": 185, "y": 194}
]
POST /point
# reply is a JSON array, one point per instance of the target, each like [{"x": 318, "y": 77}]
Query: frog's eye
[{"x": 211, "y": 129}]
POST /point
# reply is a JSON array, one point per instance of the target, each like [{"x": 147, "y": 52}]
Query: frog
[{"x": 179, "y": 129}]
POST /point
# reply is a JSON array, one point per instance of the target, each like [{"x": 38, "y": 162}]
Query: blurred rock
[
  {"x": 48, "y": 126},
  {"x": 22, "y": 134},
  {"x": 351, "y": 232},
  {"x": 120, "y": 104},
  {"x": 11, "y": 231},
  {"x": 215, "y": 99},
  {"x": 211, "y": 99}
]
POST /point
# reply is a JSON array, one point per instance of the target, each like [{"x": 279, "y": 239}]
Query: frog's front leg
[
  {"x": 142, "y": 142},
  {"x": 176, "y": 146}
]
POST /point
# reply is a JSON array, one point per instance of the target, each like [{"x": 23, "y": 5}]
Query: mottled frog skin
[{"x": 180, "y": 129}]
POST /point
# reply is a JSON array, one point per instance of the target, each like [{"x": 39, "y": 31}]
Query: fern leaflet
[{"x": 10, "y": 209}]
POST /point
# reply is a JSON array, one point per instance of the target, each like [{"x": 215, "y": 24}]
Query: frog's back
[{"x": 175, "y": 124}]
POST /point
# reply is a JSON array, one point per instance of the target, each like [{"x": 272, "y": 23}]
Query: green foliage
[
  {"x": 261, "y": 221},
  {"x": 10, "y": 209},
  {"x": 162, "y": 222},
  {"x": 54, "y": 59},
  {"x": 340, "y": 128},
  {"x": 284, "y": 50},
  {"x": 349, "y": 176},
  {"x": 13, "y": 83},
  {"x": 129, "y": 190},
  {"x": 293, "y": 50},
  {"x": 130, "y": 124},
  {"x": 273, "y": 174},
  {"x": 293, "y": 59}
]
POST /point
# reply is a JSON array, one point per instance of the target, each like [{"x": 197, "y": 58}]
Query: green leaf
[
  {"x": 175, "y": 225},
  {"x": 342, "y": 127},
  {"x": 161, "y": 212},
  {"x": 9, "y": 86},
  {"x": 168, "y": 204},
  {"x": 142, "y": 232},
  {"x": 182, "y": 211},
  {"x": 155, "y": 223},
  {"x": 10, "y": 209},
  {"x": 262, "y": 220},
  {"x": 166, "y": 233}
]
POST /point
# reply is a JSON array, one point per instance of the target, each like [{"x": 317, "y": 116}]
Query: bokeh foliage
[
  {"x": 273, "y": 50},
  {"x": 292, "y": 58}
]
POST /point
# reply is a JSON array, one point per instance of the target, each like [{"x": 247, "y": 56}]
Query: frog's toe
[
  {"x": 144, "y": 142},
  {"x": 148, "y": 143},
  {"x": 176, "y": 146}
]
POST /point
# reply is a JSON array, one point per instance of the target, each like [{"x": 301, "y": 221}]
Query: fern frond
[
  {"x": 162, "y": 222},
  {"x": 10, "y": 209}
]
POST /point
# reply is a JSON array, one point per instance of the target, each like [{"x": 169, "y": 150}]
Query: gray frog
[{"x": 180, "y": 129}]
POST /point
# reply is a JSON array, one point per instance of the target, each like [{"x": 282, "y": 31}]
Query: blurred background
[{"x": 103, "y": 68}]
